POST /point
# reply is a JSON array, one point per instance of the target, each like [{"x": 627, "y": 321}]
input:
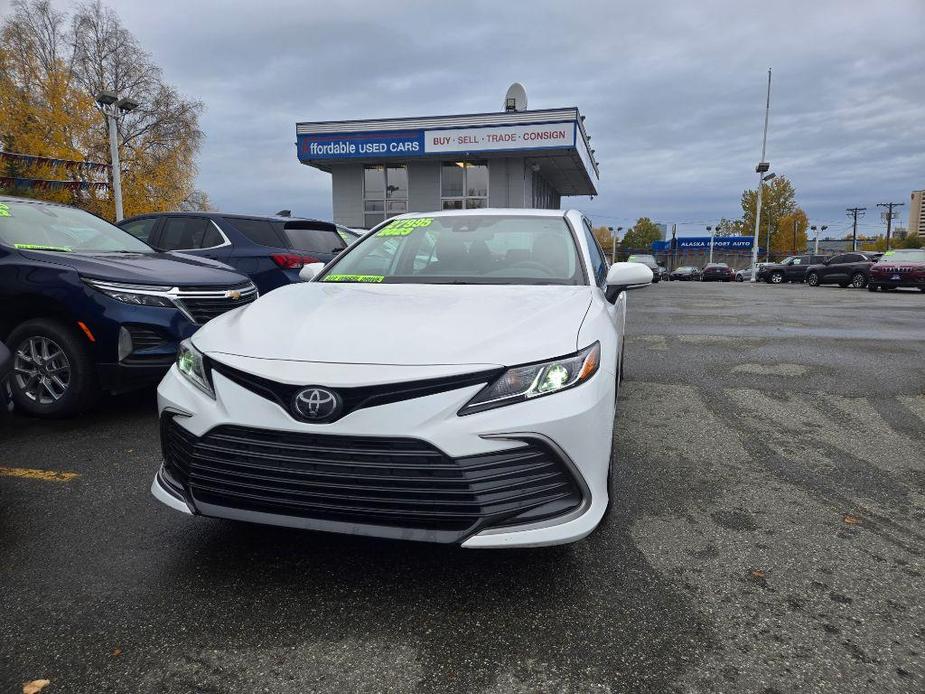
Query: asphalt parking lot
[{"x": 767, "y": 536}]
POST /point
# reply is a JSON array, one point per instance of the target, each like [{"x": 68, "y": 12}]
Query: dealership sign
[
  {"x": 416, "y": 143},
  {"x": 703, "y": 242}
]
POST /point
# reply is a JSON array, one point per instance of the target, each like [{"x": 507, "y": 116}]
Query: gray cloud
[{"x": 673, "y": 92}]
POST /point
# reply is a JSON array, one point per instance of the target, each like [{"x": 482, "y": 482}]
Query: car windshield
[
  {"x": 38, "y": 226},
  {"x": 463, "y": 249},
  {"x": 906, "y": 255}
]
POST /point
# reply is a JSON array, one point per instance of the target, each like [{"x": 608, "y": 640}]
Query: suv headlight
[
  {"x": 190, "y": 364},
  {"x": 520, "y": 383},
  {"x": 137, "y": 294}
]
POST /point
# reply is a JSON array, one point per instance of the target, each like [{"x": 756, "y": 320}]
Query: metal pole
[
  {"x": 613, "y": 246},
  {"x": 767, "y": 250},
  {"x": 712, "y": 232},
  {"x": 114, "y": 157},
  {"x": 764, "y": 146},
  {"x": 794, "y": 236}
]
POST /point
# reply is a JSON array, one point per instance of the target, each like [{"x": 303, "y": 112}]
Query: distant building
[{"x": 917, "y": 213}]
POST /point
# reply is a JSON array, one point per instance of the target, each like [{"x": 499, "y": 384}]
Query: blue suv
[
  {"x": 86, "y": 307},
  {"x": 269, "y": 250}
]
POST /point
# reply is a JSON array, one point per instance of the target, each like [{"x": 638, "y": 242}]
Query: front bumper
[
  {"x": 557, "y": 443},
  {"x": 894, "y": 280}
]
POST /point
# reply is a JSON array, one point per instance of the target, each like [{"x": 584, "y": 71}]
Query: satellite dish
[{"x": 516, "y": 98}]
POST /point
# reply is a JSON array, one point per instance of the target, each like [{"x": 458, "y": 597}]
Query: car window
[
  {"x": 37, "y": 226},
  {"x": 839, "y": 259},
  {"x": 188, "y": 233},
  {"x": 260, "y": 231},
  {"x": 315, "y": 238},
  {"x": 598, "y": 264},
  {"x": 796, "y": 261},
  {"x": 140, "y": 228},
  {"x": 460, "y": 249}
]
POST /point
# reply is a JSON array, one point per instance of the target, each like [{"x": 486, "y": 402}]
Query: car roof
[
  {"x": 228, "y": 215},
  {"x": 34, "y": 201},
  {"x": 512, "y": 211}
]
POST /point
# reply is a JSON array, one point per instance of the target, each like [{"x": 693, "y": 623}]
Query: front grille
[
  {"x": 355, "y": 398},
  {"x": 205, "y": 304},
  {"x": 385, "y": 483}
]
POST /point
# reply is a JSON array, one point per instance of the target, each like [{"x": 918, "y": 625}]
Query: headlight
[
  {"x": 137, "y": 294},
  {"x": 520, "y": 383},
  {"x": 190, "y": 364}
]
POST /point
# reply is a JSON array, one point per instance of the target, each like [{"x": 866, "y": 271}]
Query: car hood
[
  {"x": 174, "y": 269},
  {"x": 403, "y": 324}
]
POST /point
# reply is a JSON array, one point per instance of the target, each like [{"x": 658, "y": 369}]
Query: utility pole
[
  {"x": 889, "y": 218},
  {"x": 761, "y": 169},
  {"x": 854, "y": 212},
  {"x": 794, "y": 236},
  {"x": 767, "y": 250}
]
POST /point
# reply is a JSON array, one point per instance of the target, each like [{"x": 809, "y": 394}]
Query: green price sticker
[
  {"x": 5, "y": 210},
  {"x": 39, "y": 247},
  {"x": 403, "y": 227},
  {"x": 890, "y": 253},
  {"x": 354, "y": 278}
]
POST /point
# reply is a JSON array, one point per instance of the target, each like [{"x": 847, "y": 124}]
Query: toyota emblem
[{"x": 316, "y": 404}]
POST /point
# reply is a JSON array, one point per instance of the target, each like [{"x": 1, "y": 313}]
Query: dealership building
[{"x": 514, "y": 158}]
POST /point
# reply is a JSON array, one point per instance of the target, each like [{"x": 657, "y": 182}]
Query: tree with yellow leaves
[
  {"x": 790, "y": 236},
  {"x": 51, "y": 68}
]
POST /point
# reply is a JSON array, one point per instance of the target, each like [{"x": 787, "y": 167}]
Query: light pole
[
  {"x": 762, "y": 168},
  {"x": 613, "y": 243},
  {"x": 816, "y": 234},
  {"x": 711, "y": 230},
  {"x": 114, "y": 108}
]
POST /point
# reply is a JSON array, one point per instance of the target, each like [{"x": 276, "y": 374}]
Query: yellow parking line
[{"x": 34, "y": 474}]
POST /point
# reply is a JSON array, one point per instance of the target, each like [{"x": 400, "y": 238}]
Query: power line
[
  {"x": 889, "y": 218},
  {"x": 854, "y": 212}
]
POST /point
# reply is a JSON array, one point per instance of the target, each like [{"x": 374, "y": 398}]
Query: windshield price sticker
[
  {"x": 38, "y": 246},
  {"x": 5, "y": 210},
  {"x": 354, "y": 278},
  {"x": 403, "y": 227}
]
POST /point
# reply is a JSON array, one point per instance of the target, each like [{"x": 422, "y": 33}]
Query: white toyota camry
[{"x": 450, "y": 377}]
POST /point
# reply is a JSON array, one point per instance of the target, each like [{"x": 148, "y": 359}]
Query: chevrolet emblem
[{"x": 233, "y": 294}]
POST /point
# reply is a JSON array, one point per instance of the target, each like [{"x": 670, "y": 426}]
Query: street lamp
[
  {"x": 712, "y": 233},
  {"x": 114, "y": 108},
  {"x": 816, "y": 234},
  {"x": 613, "y": 243},
  {"x": 762, "y": 168}
]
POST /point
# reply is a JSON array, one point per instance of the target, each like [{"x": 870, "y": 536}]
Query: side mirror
[
  {"x": 310, "y": 271},
  {"x": 625, "y": 276}
]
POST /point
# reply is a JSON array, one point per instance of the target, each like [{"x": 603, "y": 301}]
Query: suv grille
[
  {"x": 388, "y": 483},
  {"x": 205, "y": 304}
]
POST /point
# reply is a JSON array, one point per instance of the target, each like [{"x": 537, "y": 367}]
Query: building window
[
  {"x": 464, "y": 185},
  {"x": 385, "y": 193}
]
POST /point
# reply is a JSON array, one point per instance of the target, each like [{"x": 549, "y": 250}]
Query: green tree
[
  {"x": 778, "y": 199},
  {"x": 731, "y": 227},
  {"x": 643, "y": 234}
]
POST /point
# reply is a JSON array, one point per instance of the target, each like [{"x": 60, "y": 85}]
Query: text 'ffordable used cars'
[{"x": 450, "y": 378}]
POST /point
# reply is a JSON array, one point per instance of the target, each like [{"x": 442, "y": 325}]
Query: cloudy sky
[{"x": 673, "y": 91}]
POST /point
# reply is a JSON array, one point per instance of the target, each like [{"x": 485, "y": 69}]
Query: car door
[
  {"x": 832, "y": 270},
  {"x": 794, "y": 271},
  {"x": 193, "y": 235},
  {"x": 598, "y": 270}
]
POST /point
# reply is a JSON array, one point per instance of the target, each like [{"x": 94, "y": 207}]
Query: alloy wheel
[
  {"x": 812, "y": 280},
  {"x": 777, "y": 278},
  {"x": 858, "y": 280},
  {"x": 41, "y": 370}
]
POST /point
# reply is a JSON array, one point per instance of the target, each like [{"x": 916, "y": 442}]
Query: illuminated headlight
[
  {"x": 137, "y": 294},
  {"x": 520, "y": 383},
  {"x": 190, "y": 364}
]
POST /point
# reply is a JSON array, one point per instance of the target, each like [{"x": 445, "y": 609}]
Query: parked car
[
  {"x": 6, "y": 367},
  {"x": 685, "y": 273},
  {"x": 649, "y": 262},
  {"x": 847, "y": 269},
  {"x": 900, "y": 268},
  {"x": 790, "y": 269},
  {"x": 717, "y": 272},
  {"x": 745, "y": 275},
  {"x": 86, "y": 307},
  {"x": 269, "y": 250},
  {"x": 482, "y": 416}
]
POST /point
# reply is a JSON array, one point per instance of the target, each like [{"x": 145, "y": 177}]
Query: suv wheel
[
  {"x": 812, "y": 279},
  {"x": 858, "y": 280},
  {"x": 776, "y": 278},
  {"x": 53, "y": 375}
]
